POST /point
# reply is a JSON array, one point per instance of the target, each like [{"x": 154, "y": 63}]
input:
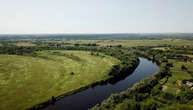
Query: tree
[
  {"x": 76, "y": 45},
  {"x": 115, "y": 70},
  {"x": 53, "y": 100},
  {"x": 91, "y": 53},
  {"x": 72, "y": 73},
  {"x": 183, "y": 68}
]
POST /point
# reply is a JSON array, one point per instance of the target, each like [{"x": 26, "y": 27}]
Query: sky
[{"x": 95, "y": 16}]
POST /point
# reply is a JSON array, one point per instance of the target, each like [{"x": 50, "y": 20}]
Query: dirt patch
[
  {"x": 164, "y": 80},
  {"x": 179, "y": 83},
  {"x": 164, "y": 87}
]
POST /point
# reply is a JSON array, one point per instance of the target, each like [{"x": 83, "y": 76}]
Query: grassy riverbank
[{"x": 26, "y": 81}]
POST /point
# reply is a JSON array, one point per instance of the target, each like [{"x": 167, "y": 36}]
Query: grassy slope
[{"x": 25, "y": 81}]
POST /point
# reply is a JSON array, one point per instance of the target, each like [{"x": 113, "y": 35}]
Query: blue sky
[{"x": 95, "y": 16}]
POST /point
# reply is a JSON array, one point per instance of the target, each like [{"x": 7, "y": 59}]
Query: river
[{"x": 86, "y": 99}]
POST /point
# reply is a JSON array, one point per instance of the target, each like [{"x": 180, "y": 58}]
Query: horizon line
[{"x": 95, "y": 33}]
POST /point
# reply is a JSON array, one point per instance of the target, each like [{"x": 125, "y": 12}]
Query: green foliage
[
  {"x": 151, "y": 94},
  {"x": 72, "y": 73},
  {"x": 183, "y": 68}
]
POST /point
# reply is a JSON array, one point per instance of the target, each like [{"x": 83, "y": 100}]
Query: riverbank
[
  {"x": 97, "y": 94},
  {"x": 113, "y": 77},
  {"x": 168, "y": 89},
  {"x": 140, "y": 91}
]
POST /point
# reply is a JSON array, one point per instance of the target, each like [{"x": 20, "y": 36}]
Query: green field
[
  {"x": 175, "y": 82},
  {"x": 23, "y": 44},
  {"x": 133, "y": 43},
  {"x": 26, "y": 81}
]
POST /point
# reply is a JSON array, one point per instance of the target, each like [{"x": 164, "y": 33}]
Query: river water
[{"x": 86, "y": 99}]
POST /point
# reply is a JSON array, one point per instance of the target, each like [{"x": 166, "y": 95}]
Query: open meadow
[{"x": 26, "y": 81}]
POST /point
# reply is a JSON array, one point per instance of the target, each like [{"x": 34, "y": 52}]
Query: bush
[
  {"x": 183, "y": 68},
  {"x": 72, "y": 73},
  {"x": 115, "y": 70}
]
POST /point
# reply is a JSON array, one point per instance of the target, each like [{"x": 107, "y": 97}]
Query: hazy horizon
[{"x": 95, "y": 17}]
